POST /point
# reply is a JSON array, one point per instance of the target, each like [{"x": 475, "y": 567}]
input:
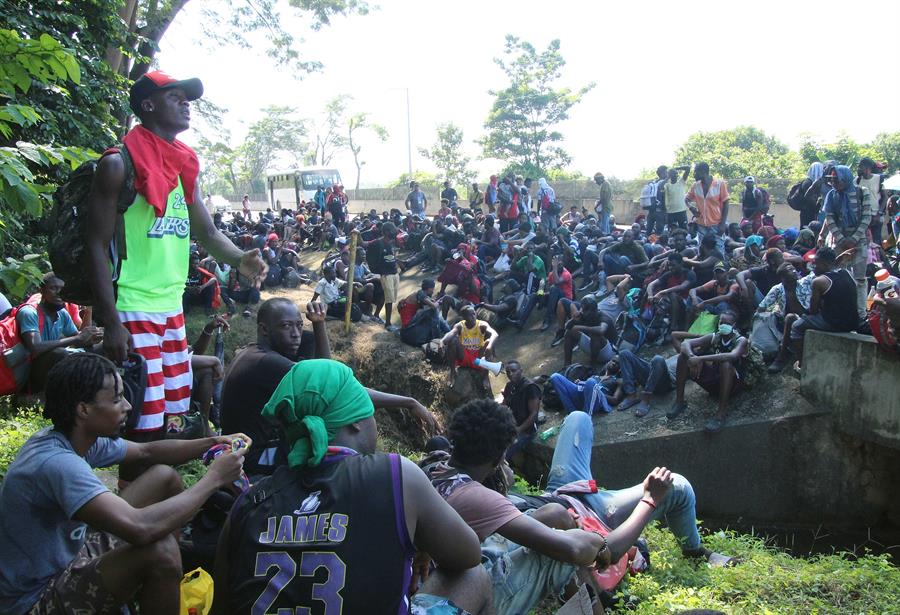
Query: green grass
[
  {"x": 768, "y": 581},
  {"x": 243, "y": 332}
]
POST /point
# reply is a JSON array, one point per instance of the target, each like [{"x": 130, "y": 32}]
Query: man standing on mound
[{"x": 142, "y": 311}]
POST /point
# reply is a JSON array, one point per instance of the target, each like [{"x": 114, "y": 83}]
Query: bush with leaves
[
  {"x": 15, "y": 429},
  {"x": 25, "y": 185}
]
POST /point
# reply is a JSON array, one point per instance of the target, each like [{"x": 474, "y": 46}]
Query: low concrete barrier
[{"x": 852, "y": 375}]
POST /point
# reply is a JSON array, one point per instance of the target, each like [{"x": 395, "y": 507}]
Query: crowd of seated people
[{"x": 372, "y": 531}]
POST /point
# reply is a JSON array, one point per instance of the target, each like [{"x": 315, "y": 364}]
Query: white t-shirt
[{"x": 329, "y": 291}]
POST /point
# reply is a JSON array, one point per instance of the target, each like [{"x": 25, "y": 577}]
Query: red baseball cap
[{"x": 157, "y": 80}]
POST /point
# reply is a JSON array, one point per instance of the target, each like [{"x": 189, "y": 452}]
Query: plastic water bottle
[{"x": 549, "y": 433}]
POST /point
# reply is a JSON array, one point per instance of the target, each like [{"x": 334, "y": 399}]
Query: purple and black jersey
[{"x": 323, "y": 541}]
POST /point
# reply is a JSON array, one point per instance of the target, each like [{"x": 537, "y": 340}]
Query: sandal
[
  {"x": 628, "y": 403},
  {"x": 676, "y": 409},
  {"x": 642, "y": 410},
  {"x": 714, "y": 425}
]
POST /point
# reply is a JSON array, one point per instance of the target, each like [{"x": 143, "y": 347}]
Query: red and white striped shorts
[{"x": 160, "y": 338}]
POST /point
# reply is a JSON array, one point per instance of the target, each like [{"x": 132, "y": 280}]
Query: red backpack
[{"x": 13, "y": 355}]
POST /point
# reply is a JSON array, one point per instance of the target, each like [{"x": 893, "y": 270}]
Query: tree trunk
[
  {"x": 128, "y": 14},
  {"x": 151, "y": 34}
]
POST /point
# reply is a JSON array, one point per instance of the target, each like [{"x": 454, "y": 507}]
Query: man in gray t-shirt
[
  {"x": 45, "y": 487},
  {"x": 67, "y": 544},
  {"x": 416, "y": 201}
]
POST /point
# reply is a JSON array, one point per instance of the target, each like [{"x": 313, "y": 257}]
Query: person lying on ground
[
  {"x": 68, "y": 544},
  {"x": 541, "y": 559},
  {"x": 717, "y": 363},
  {"x": 590, "y": 395},
  {"x": 378, "y": 516},
  {"x": 256, "y": 370},
  {"x": 468, "y": 340}
]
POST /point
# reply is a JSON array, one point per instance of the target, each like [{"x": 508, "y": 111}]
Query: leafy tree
[
  {"x": 447, "y": 155},
  {"x": 278, "y": 137},
  {"x": 739, "y": 152},
  {"x": 423, "y": 178},
  {"x": 845, "y": 150},
  {"x": 226, "y": 22},
  {"x": 25, "y": 185},
  {"x": 357, "y": 123},
  {"x": 220, "y": 171},
  {"x": 887, "y": 146},
  {"x": 86, "y": 115},
  {"x": 329, "y": 133},
  {"x": 522, "y": 120}
]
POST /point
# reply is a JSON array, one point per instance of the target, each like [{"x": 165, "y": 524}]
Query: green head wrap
[{"x": 312, "y": 402}]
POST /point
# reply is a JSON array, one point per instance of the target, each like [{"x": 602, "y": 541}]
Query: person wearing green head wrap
[
  {"x": 314, "y": 400},
  {"x": 348, "y": 520}
]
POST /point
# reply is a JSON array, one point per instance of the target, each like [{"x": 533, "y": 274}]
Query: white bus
[{"x": 290, "y": 187}]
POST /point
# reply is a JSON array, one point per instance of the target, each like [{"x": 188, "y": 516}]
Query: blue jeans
[
  {"x": 615, "y": 265},
  {"x": 703, "y": 231},
  {"x": 604, "y": 223},
  {"x": 572, "y": 462},
  {"x": 553, "y": 298},
  {"x": 491, "y": 251},
  {"x": 521, "y": 577},
  {"x": 652, "y": 376},
  {"x": 587, "y": 396}
]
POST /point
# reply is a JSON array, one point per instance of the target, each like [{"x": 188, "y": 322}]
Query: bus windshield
[{"x": 313, "y": 179}]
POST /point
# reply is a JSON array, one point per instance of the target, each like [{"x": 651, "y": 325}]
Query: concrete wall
[
  {"x": 799, "y": 469},
  {"x": 851, "y": 374}
]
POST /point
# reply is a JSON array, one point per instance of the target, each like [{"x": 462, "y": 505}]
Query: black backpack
[
  {"x": 797, "y": 198},
  {"x": 68, "y": 229}
]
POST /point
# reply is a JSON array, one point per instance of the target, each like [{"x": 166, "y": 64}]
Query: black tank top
[
  {"x": 322, "y": 541},
  {"x": 839, "y": 302}
]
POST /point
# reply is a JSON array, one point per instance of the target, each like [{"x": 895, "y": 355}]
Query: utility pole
[{"x": 408, "y": 136}]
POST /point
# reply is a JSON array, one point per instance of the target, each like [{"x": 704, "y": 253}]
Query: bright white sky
[{"x": 663, "y": 70}]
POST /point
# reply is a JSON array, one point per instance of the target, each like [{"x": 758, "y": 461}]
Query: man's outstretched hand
[
  {"x": 657, "y": 485},
  {"x": 252, "y": 265},
  {"x": 425, "y": 416}
]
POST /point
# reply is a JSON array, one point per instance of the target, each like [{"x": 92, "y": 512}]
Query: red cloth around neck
[{"x": 157, "y": 166}]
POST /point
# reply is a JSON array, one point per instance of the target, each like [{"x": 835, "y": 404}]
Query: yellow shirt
[{"x": 472, "y": 339}]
